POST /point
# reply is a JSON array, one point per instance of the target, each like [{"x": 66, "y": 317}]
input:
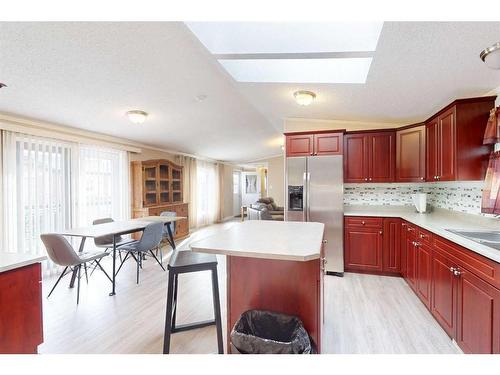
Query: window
[{"x": 50, "y": 185}]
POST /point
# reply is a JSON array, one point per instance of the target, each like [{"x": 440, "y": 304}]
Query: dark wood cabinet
[
  {"x": 459, "y": 287},
  {"x": 478, "y": 315},
  {"x": 355, "y": 158},
  {"x": 328, "y": 144},
  {"x": 432, "y": 145},
  {"x": 410, "y": 154},
  {"x": 411, "y": 257},
  {"x": 369, "y": 157},
  {"x": 363, "y": 245},
  {"x": 423, "y": 268},
  {"x": 455, "y": 150},
  {"x": 444, "y": 292},
  {"x": 391, "y": 252},
  {"x": 299, "y": 145},
  {"x": 314, "y": 144},
  {"x": 21, "y": 323}
]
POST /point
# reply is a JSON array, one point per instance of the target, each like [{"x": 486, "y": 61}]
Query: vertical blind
[{"x": 50, "y": 185}]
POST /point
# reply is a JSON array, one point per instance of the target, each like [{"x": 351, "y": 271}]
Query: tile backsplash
[{"x": 456, "y": 196}]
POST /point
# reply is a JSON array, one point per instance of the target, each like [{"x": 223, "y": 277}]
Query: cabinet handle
[
  {"x": 422, "y": 178},
  {"x": 438, "y": 177},
  {"x": 403, "y": 224},
  {"x": 380, "y": 232},
  {"x": 312, "y": 154},
  {"x": 457, "y": 272},
  {"x": 366, "y": 178},
  {"x": 370, "y": 178},
  {"x": 423, "y": 236},
  {"x": 452, "y": 270},
  {"x": 325, "y": 241},
  {"x": 362, "y": 223}
]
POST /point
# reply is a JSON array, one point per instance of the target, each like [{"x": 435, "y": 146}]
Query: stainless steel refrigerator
[{"x": 314, "y": 192}]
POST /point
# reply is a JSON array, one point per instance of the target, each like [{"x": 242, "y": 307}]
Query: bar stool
[{"x": 186, "y": 262}]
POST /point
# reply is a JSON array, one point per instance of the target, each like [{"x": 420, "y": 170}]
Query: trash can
[{"x": 267, "y": 332}]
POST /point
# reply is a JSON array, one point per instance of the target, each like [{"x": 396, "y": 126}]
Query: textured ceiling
[{"x": 86, "y": 75}]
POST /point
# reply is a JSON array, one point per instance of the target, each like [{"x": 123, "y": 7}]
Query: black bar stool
[{"x": 185, "y": 262}]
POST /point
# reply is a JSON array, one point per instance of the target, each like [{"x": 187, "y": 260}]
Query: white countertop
[
  {"x": 11, "y": 261},
  {"x": 437, "y": 222},
  {"x": 284, "y": 240}
]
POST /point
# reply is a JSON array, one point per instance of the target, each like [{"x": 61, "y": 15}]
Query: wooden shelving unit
[{"x": 157, "y": 186}]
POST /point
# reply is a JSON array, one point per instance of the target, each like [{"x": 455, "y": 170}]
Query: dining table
[{"x": 116, "y": 229}]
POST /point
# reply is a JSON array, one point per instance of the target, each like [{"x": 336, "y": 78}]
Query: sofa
[{"x": 265, "y": 209}]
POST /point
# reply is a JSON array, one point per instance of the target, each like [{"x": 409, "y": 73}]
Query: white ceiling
[{"x": 87, "y": 75}]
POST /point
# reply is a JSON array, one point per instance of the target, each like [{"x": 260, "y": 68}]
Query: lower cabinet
[
  {"x": 444, "y": 292},
  {"x": 21, "y": 323},
  {"x": 423, "y": 257},
  {"x": 478, "y": 315},
  {"x": 460, "y": 288}
]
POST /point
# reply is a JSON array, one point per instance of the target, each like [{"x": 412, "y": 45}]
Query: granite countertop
[
  {"x": 285, "y": 240},
  {"x": 437, "y": 221},
  {"x": 11, "y": 261}
]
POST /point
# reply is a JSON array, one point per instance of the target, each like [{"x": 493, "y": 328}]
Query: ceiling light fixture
[
  {"x": 2, "y": 85},
  {"x": 304, "y": 97},
  {"x": 136, "y": 116},
  {"x": 491, "y": 56}
]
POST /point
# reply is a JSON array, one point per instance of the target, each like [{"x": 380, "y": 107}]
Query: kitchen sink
[{"x": 489, "y": 238}]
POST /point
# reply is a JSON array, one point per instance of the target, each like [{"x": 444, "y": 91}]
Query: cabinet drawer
[
  {"x": 364, "y": 222},
  {"x": 485, "y": 268},
  {"x": 425, "y": 237}
]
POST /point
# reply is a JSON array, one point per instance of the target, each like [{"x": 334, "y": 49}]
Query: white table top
[
  {"x": 284, "y": 240},
  {"x": 116, "y": 227},
  {"x": 11, "y": 261}
]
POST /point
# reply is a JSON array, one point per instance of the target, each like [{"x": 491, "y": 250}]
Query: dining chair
[
  {"x": 62, "y": 253},
  {"x": 166, "y": 237},
  {"x": 150, "y": 239}
]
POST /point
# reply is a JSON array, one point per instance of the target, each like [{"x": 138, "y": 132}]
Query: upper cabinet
[
  {"x": 410, "y": 154},
  {"x": 455, "y": 150},
  {"x": 369, "y": 157},
  {"x": 316, "y": 144}
]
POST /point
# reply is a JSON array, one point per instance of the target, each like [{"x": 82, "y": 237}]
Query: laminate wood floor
[{"x": 363, "y": 313}]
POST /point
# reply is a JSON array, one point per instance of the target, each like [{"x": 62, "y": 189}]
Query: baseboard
[{"x": 228, "y": 218}]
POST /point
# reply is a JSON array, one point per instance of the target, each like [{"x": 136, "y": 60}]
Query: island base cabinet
[
  {"x": 21, "y": 310},
  {"x": 478, "y": 315},
  {"x": 283, "y": 286}
]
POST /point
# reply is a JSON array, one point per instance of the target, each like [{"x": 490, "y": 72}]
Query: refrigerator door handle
[{"x": 308, "y": 205}]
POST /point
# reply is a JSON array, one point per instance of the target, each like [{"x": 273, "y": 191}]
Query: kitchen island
[{"x": 276, "y": 266}]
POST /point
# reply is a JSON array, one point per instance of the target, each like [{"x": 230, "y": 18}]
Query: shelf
[{"x": 151, "y": 192}]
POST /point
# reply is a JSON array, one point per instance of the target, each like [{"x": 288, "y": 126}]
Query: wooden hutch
[{"x": 156, "y": 187}]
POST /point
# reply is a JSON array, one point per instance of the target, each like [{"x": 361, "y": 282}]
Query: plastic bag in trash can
[{"x": 259, "y": 331}]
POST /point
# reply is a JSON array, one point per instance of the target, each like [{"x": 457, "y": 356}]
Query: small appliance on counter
[{"x": 420, "y": 202}]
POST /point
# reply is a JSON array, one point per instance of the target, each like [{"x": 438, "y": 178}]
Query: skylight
[
  {"x": 288, "y": 37},
  {"x": 345, "y": 70}
]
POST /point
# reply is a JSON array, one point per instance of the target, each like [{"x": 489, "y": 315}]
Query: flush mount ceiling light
[
  {"x": 304, "y": 97},
  {"x": 136, "y": 116},
  {"x": 491, "y": 56}
]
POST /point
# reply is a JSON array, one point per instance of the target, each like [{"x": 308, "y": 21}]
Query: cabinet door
[
  {"x": 150, "y": 177},
  {"x": 403, "y": 236},
  {"x": 299, "y": 145},
  {"x": 447, "y": 152},
  {"x": 444, "y": 292},
  {"x": 363, "y": 249},
  {"x": 478, "y": 315},
  {"x": 328, "y": 144},
  {"x": 423, "y": 272},
  {"x": 411, "y": 261},
  {"x": 410, "y": 154},
  {"x": 355, "y": 158},
  {"x": 21, "y": 323},
  {"x": 382, "y": 156},
  {"x": 432, "y": 152},
  {"x": 391, "y": 252}
]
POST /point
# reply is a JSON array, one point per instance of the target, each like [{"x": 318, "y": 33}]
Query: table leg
[
  {"x": 170, "y": 236},
  {"x": 114, "y": 267},
  {"x": 75, "y": 271}
]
